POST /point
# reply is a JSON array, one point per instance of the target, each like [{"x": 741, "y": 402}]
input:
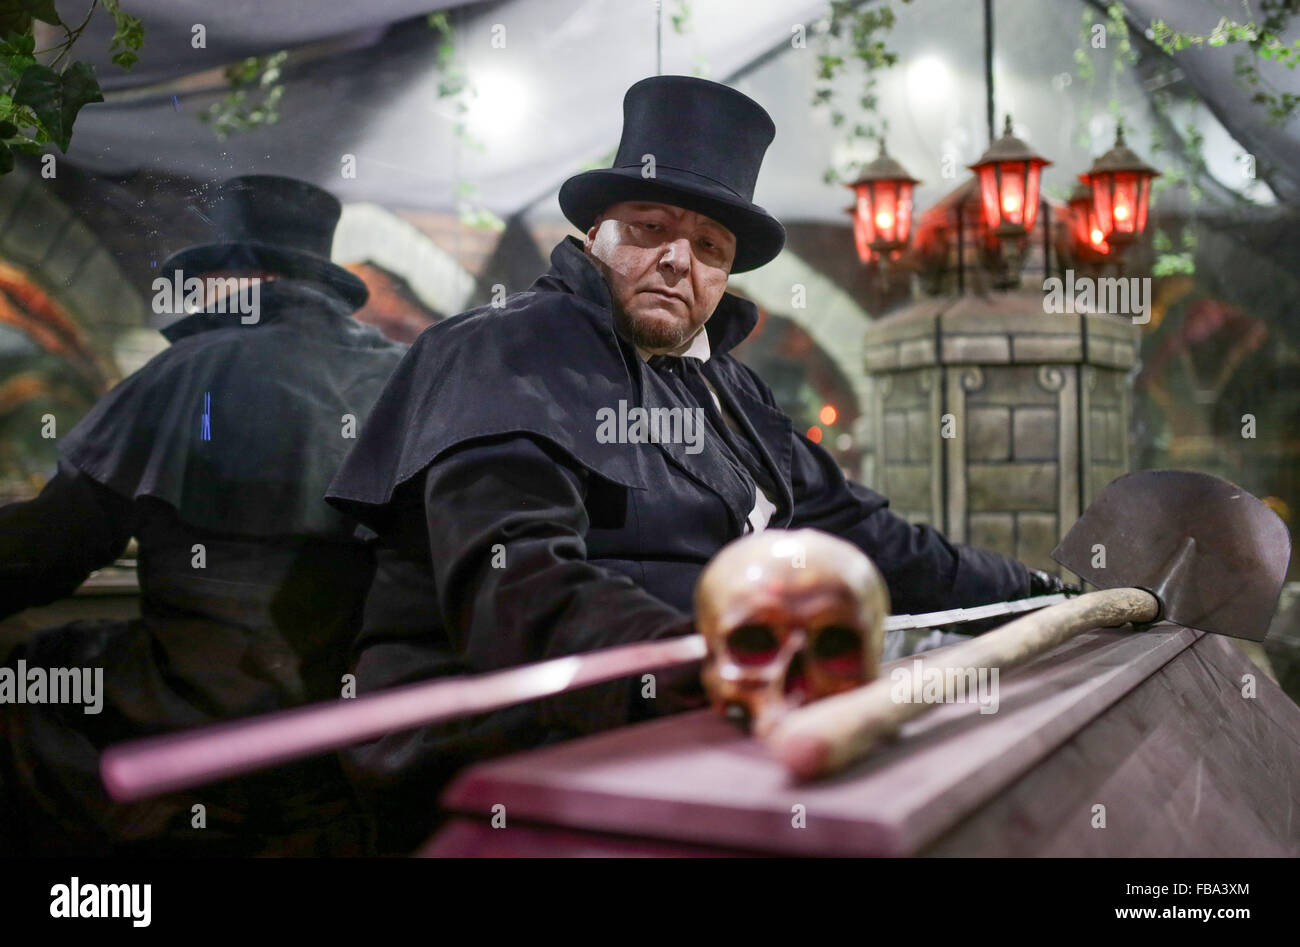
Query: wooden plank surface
[
  {"x": 695, "y": 779},
  {"x": 1185, "y": 766}
]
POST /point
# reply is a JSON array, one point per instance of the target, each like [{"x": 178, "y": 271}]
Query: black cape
[
  {"x": 277, "y": 416},
  {"x": 479, "y": 376}
]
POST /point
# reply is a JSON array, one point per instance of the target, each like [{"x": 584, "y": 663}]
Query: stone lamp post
[{"x": 997, "y": 422}]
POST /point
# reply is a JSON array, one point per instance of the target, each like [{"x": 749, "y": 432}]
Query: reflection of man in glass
[{"x": 215, "y": 457}]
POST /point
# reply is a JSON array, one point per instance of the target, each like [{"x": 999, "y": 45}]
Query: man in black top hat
[
  {"x": 519, "y": 522},
  {"x": 215, "y": 456}
]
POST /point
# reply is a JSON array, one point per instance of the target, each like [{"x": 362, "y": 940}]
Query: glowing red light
[
  {"x": 815, "y": 434},
  {"x": 828, "y": 414}
]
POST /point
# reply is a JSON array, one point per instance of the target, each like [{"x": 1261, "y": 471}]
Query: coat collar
[
  {"x": 571, "y": 271},
  {"x": 279, "y": 300}
]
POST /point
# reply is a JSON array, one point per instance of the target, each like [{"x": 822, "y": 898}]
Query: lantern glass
[
  {"x": 1012, "y": 197},
  {"x": 1101, "y": 202},
  {"x": 864, "y": 212},
  {"x": 884, "y": 215},
  {"x": 1031, "y": 196},
  {"x": 1124, "y": 209},
  {"x": 863, "y": 231},
  {"x": 1144, "y": 197},
  {"x": 1079, "y": 212},
  {"x": 989, "y": 194},
  {"x": 1087, "y": 234},
  {"x": 1093, "y": 235},
  {"x": 904, "y": 211}
]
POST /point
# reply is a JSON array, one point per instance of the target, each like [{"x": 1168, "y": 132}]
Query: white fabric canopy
[{"x": 548, "y": 99}]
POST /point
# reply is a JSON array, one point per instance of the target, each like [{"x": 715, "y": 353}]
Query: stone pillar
[{"x": 997, "y": 422}]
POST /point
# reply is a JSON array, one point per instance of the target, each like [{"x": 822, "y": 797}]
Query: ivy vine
[
  {"x": 39, "y": 101},
  {"x": 1265, "y": 42},
  {"x": 854, "y": 33},
  {"x": 1175, "y": 252},
  {"x": 253, "y": 98},
  {"x": 454, "y": 87}
]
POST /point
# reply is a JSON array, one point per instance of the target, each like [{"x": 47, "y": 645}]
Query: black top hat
[
  {"x": 272, "y": 223},
  {"x": 708, "y": 142}
]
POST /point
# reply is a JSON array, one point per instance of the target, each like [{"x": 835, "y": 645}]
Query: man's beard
[
  {"x": 645, "y": 334},
  {"x": 653, "y": 335}
]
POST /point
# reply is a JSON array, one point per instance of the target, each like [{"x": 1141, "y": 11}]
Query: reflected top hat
[
  {"x": 273, "y": 223},
  {"x": 707, "y": 141}
]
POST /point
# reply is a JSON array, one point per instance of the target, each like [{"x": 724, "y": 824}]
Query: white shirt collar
[{"x": 697, "y": 347}]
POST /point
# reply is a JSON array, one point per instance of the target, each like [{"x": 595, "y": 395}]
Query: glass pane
[
  {"x": 989, "y": 192},
  {"x": 886, "y": 216},
  {"x": 904, "y": 211},
  {"x": 1031, "y": 198},
  {"x": 1126, "y": 211},
  {"x": 1101, "y": 186},
  {"x": 1013, "y": 193}
]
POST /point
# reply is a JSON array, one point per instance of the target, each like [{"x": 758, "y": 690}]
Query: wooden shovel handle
[{"x": 826, "y": 736}]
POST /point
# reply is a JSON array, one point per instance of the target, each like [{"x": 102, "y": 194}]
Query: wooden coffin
[{"x": 1166, "y": 742}]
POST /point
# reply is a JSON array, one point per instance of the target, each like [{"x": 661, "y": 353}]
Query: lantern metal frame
[
  {"x": 1009, "y": 175},
  {"x": 1120, "y": 180},
  {"x": 1010, "y": 170},
  {"x": 883, "y": 187}
]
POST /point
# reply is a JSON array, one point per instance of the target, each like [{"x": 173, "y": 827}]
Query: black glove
[{"x": 1040, "y": 583}]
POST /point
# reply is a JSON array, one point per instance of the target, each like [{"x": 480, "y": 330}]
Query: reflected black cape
[{"x": 277, "y": 395}]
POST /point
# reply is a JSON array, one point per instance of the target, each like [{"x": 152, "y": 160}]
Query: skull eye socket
[
  {"x": 839, "y": 649},
  {"x": 753, "y": 644}
]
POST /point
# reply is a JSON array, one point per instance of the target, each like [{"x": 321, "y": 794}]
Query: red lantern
[
  {"x": 1088, "y": 238},
  {"x": 1009, "y": 174},
  {"x": 882, "y": 217},
  {"x": 1121, "y": 192}
]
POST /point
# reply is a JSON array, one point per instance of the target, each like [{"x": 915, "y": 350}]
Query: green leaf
[
  {"x": 1174, "y": 264},
  {"x": 17, "y": 56},
  {"x": 80, "y": 87},
  {"x": 56, "y": 99},
  {"x": 439, "y": 23},
  {"x": 40, "y": 89},
  {"x": 128, "y": 35},
  {"x": 18, "y": 44}
]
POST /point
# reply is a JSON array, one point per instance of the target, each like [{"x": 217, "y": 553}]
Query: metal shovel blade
[{"x": 1214, "y": 555}]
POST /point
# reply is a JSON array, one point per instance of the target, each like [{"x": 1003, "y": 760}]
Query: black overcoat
[
  {"x": 215, "y": 455},
  {"x": 512, "y": 531}
]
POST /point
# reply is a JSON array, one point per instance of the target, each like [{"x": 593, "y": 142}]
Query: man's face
[
  {"x": 216, "y": 283},
  {"x": 666, "y": 267}
]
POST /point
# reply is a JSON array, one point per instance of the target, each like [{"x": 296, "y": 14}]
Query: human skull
[{"x": 789, "y": 616}]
